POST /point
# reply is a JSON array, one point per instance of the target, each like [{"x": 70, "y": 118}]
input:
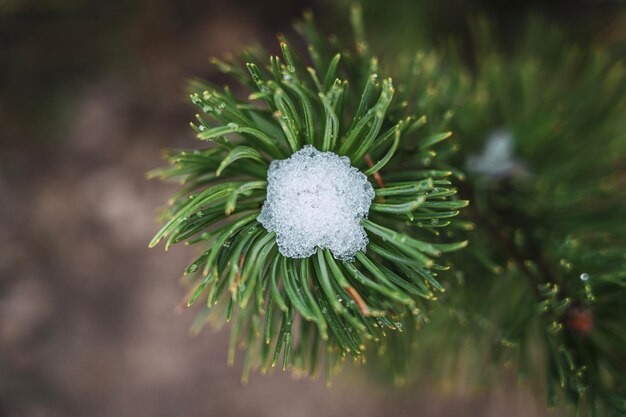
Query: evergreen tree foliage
[
  {"x": 538, "y": 148},
  {"x": 541, "y": 137},
  {"x": 316, "y": 308}
]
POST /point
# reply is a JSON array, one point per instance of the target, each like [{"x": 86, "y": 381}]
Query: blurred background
[{"x": 90, "y": 95}]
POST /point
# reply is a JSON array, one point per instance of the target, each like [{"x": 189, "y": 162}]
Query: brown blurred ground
[{"x": 90, "y": 96}]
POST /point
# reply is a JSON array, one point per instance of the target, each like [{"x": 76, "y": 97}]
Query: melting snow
[{"x": 316, "y": 200}]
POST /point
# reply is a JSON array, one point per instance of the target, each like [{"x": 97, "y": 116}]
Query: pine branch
[
  {"x": 545, "y": 271},
  {"x": 314, "y": 309}
]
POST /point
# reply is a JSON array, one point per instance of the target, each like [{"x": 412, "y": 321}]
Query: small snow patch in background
[
  {"x": 316, "y": 199},
  {"x": 497, "y": 159}
]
